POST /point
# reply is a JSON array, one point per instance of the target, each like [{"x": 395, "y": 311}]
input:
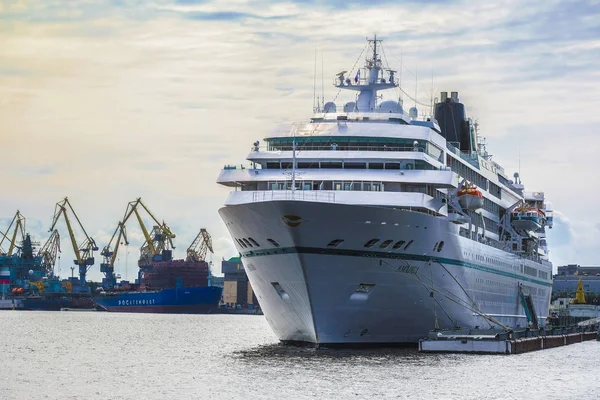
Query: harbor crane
[
  {"x": 110, "y": 255},
  {"x": 200, "y": 246},
  {"x": 49, "y": 252},
  {"x": 84, "y": 251},
  {"x": 158, "y": 243},
  {"x": 19, "y": 227}
]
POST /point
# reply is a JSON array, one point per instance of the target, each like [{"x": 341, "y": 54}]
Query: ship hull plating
[{"x": 314, "y": 289}]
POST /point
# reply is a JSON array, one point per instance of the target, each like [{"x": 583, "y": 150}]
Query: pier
[{"x": 494, "y": 341}]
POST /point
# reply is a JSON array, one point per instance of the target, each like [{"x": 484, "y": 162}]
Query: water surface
[{"x": 81, "y": 355}]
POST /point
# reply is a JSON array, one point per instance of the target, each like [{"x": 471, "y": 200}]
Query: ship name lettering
[{"x": 408, "y": 269}]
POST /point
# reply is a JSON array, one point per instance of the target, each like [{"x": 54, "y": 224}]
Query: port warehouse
[
  {"x": 237, "y": 290},
  {"x": 566, "y": 280}
]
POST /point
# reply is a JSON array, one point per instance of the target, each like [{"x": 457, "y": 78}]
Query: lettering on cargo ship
[{"x": 136, "y": 302}]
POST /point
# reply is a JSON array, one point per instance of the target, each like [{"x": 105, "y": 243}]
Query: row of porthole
[{"x": 249, "y": 242}]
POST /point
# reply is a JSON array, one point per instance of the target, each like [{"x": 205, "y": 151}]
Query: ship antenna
[
  {"x": 416, "y": 82},
  {"x": 431, "y": 97},
  {"x": 400, "y": 79},
  {"x": 315, "y": 84},
  {"x": 294, "y": 164},
  {"x": 322, "y": 84}
]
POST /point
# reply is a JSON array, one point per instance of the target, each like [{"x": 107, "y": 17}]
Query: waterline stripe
[{"x": 395, "y": 256}]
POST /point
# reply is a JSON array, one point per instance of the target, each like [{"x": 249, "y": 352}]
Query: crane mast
[
  {"x": 158, "y": 243},
  {"x": 108, "y": 264},
  {"x": 19, "y": 226},
  {"x": 49, "y": 252},
  {"x": 85, "y": 251},
  {"x": 200, "y": 246}
]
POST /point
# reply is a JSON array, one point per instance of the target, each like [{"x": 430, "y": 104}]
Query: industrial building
[
  {"x": 237, "y": 290},
  {"x": 565, "y": 282}
]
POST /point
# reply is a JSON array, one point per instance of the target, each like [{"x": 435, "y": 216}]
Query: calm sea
[{"x": 81, "y": 355}]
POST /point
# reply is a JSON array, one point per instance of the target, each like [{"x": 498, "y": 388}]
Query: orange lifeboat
[{"x": 470, "y": 198}]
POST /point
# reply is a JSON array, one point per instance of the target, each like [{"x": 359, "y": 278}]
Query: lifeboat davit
[{"x": 470, "y": 198}]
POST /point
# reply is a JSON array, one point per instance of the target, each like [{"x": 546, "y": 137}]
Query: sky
[{"x": 108, "y": 101}]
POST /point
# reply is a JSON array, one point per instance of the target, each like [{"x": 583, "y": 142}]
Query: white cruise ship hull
[{"x": 351, "y": 294}]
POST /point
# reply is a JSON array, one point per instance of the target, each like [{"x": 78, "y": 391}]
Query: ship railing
[
  {"x": 336, "y": 147},
  {"x": 298, "y": 195},
  {"x": 470, "y": 157}
]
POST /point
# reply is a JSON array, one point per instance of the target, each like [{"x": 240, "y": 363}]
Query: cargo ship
[
  {"x": 176, "y": 286},
  {"x": 27, "y": 281}
]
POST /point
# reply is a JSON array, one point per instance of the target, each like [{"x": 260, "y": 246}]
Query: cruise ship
[{"x": 369, "y": 225}]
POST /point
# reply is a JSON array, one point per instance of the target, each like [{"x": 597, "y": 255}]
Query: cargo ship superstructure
[
  {"x": 367, "y": 225},
  {"x": 163, "y": 285}
]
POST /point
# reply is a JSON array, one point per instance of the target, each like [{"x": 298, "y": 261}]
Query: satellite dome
[
  {"x": 413, "y": 112},
  {"x": 350, "y": 106},
  {"x": 329, "y": 107},
  {"x": 390, "y": 106},
  {"x": 30, "y": 272}
]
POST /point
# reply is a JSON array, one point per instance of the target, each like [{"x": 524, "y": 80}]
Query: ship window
[
  {"x": 274, "y": 243},
  {"x": 371, "y": 242},
  {"x": 337, "y": 186},
  {"x": 273, "y": 165},
  {"x": 408, "y": 244},
  {"x": 398, "y": 244},
  {"x": 367, "y": 187},
  {"x": 347, "y": 185},
  {"x": 354, "y": 165},
  {"x": 385, "y": 244},
  {"x": 254, "y": 242},
  {"x": 435, "y": 246},
  {"x": 392, "y": 165},
  {"x": 247, "y": 242},
  {"x": 365, "y": 288},
  {"x": 335, "y": 243},
  {"x": 241, "y": 243},
  {"x": 377, "y": 187},
  {"x": 330, "y": 164},
  {"x": 375, "y": 165},
  {"x": 440, "y": 246}
]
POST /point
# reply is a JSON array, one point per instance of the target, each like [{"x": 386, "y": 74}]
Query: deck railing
[{"x": 298, "y": 195}]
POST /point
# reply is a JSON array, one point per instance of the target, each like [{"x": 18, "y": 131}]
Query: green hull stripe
[{"x": 394, "y": 256}]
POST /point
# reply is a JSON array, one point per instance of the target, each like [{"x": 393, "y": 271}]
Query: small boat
[
  {"x": 528, "y": 218},
  {"x": 470, "y": 198}
]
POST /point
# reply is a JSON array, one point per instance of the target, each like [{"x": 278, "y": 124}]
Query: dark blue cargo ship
[{"x": 180, "y": 300}]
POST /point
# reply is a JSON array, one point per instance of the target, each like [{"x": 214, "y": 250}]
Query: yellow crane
[
  {"x": 200, "y": 246},
  {"x": 49, "y": 252},
  {"x": 84, "y": 251},
  {"x": 19, "y": 226},
  {"x": 110, "y": 255},
  {"x": 158, "y": 243}
]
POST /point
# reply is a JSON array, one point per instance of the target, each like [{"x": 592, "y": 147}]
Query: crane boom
[
  {"x": 49, "y": 252},
  {"x": 19, "y": 222},
  {"x": 157, "y": 243},
  {"x": 200, "y": 246},
  {"x": 83, "y": 252},
  {"x": 108, "y": 265}
]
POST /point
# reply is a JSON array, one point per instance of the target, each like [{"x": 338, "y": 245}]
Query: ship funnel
[
  {"x": 454, "y": 96},
  {"x": 443, "y": 96}
]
